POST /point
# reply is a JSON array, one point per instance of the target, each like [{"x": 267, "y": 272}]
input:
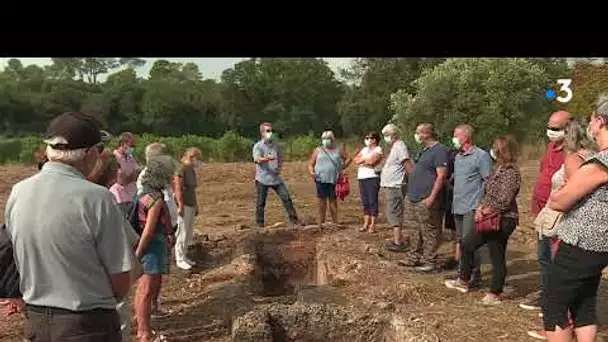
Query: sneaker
[
  {"x": 457, "y": 284},
  {"x": 539, "y": 335},
  {"x": 393, "y": 247},
  {"x": 183, "y": 265},
  {"x": 426, "y": 268},
  {"x": 533, "y": 304},
  {"x": 490, "y": 300},
  {"x": 190, "y": 261},
  {"x": 409, "y": 263}
]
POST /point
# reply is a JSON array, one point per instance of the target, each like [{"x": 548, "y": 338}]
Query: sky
[{"x": 209, "y": 67}]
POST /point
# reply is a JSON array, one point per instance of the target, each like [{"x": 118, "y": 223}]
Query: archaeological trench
[{"x": 309, "y": 285}]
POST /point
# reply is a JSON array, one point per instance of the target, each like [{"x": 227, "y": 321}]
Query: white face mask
[
  {"x": 555, "y": 135},
  {"x": 367, "y": 142},
  {"x": 417, "y": 138},
  {"x": 268, "y": 136},
  {"x": 456, "y": 143},
  {"x": 129, "y": 151},
  {"x": 388, "y": 139},
  {"x": 492, "y": 154},
  {"x": 326, "y": 143}
]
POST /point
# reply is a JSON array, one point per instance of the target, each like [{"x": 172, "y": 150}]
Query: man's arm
[
  {"x": 485, "y": 166},
  {"x": 178, "y": 191},
  {"x": 441, "y": 164},
  {"x": 437, "y": 186},
  {"x": 113, "y": 246}
]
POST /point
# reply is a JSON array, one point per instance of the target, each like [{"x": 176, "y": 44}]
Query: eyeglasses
[{"x": 554, "y": 129}]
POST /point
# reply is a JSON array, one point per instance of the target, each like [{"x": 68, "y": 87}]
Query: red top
[{"x": 549, "y": 164}]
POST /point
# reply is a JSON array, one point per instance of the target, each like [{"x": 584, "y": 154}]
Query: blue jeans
[
  {"x": 544, "y": 260},
  {"x": 260, "y": 203}
]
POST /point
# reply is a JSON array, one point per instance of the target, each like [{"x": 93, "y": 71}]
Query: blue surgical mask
[{"x": 326, "y": 143}]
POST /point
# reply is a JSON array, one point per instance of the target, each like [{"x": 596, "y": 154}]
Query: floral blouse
[{"x": 501, "y": 189}]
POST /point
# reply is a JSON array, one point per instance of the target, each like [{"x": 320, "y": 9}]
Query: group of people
[
  {"x": 475, "y": 192},
  {"x": 101, "y": 223},
  {"x": 105, "y": 223}
]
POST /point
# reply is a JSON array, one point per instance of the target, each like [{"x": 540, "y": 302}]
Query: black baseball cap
[{"x": 73, "y": 131}]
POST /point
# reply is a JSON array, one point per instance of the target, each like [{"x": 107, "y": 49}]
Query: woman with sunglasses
[{"x": 369, "y": 158}]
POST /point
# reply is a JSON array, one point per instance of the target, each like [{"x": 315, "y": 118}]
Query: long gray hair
[
  {"x": 575, "y": 138},
  {"x": 158, "y": 171}
]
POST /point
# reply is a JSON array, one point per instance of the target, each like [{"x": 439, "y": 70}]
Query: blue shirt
[
  {"x": 421, "y": 181},
  {"x": 266, "y": 173},
  {"x": 471, "y": 169}
]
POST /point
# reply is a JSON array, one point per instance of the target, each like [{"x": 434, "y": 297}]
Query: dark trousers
[
  {"x": 369, "y": 189},
  {"x": 465, "y": 226},
  {"x": 544, "y": 260},
  {"x": 572, "y": 283},
  {"x": 56, "y": 325},
  {"x": 260, "y": 203},
  {"x": 497, "y": 243}
]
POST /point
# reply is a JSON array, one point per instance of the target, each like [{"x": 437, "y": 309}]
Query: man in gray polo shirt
[
  {"x": 393, "y": 181},
  {"x": 268, "y": 163},
  {"x": 471, "y": 168},
  {"x": 423, "y": 207},
  {"x": 70, "y": 240}
]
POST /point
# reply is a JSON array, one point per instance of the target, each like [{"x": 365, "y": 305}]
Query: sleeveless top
[
  {"x": 585, "y": 225},
  {"x": 328, "y": 165}
]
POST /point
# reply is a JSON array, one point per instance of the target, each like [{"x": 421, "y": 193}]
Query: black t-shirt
[{"x": 9, "y": 276}]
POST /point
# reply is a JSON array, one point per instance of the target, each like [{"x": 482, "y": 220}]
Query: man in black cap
[{"x": 70, "y": 240}]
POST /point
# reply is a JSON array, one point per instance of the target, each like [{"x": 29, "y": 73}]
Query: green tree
[
  {"x": 496, "y": 96},
  {"x": 365, "y": 105}
]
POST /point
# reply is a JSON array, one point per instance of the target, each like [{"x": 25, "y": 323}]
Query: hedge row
[{"x": 230, "y": 148}]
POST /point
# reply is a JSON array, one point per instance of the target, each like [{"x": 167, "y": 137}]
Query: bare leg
[
  {"x": 457, "y": 251},
  {"x": 586, "y": 334},
  {"x": 333, "y": 209},
  {"x": 372, "y": 225},
  {"x": 397, "y": 235},
  {"x": 322, "y": 210},
  {"x": 143, "y": 305},
  {"x": 365, "y": 223},
  {"x": 560, "y": 335}
]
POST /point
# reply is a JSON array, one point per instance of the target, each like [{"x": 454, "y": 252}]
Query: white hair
[
  {"x": 65, "y": 156},
  {"x": 153, "y": 150},
  {"x": 327, "y": 135},
  {"x": 601, "y": 105},
  {"x": 390, "y": 129}
]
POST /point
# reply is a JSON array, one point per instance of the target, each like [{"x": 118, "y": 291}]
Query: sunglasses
[
  {"x": 268, "y": 131},
  {"x": 554, "y": 129}
]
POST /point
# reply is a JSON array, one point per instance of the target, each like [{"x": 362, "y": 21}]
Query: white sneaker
[
  {"x": 183, "y": 265},
  {"x": 190, "y": 262}
]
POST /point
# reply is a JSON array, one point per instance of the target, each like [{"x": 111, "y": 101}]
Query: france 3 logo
[{"x": 565, "y": 93}]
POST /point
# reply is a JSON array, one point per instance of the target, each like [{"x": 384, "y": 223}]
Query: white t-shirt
[{"x": 365, "y": 171}]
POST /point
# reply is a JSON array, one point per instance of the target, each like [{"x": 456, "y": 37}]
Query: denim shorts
[
  {"x": 326, "y": 190},
  {"x": 156, "y": 257}
]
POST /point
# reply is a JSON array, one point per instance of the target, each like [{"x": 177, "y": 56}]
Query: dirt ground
[{"x": 318, "y": 284}]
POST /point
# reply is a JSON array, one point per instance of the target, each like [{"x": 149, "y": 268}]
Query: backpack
[{"x": 133, "y": 216}]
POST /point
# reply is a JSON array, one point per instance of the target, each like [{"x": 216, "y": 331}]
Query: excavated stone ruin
[{"x": 295, "y": 307}]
